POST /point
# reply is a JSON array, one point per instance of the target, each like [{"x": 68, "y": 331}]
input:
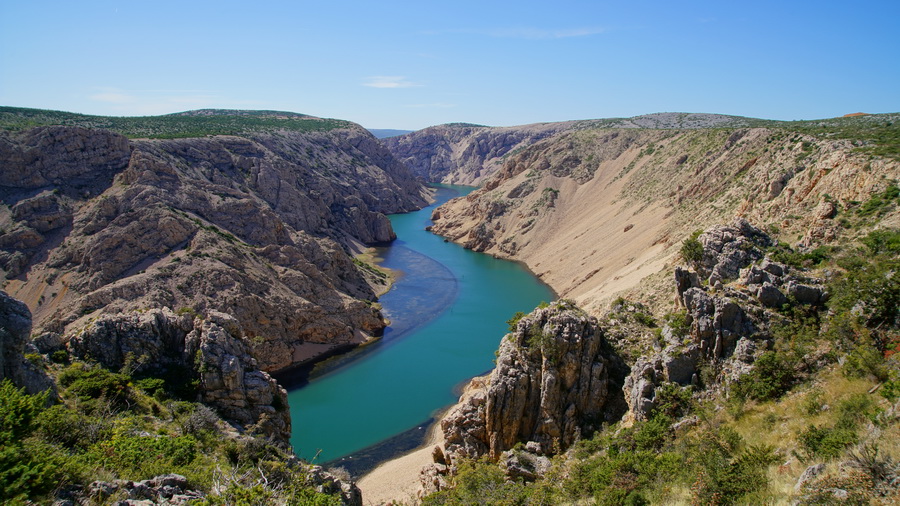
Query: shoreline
[{"x": 397, "y": 479}]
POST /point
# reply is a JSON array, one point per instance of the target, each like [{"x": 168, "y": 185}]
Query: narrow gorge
[{"x": 712, "y": 273}]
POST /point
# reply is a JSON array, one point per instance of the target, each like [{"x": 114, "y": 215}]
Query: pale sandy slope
[{"x": 398, "y": 480}]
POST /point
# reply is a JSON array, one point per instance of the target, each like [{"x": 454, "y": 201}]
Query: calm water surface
[{"x": 447, "y": 311}]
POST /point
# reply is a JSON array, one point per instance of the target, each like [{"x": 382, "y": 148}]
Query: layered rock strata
[{"x": 259, "y": 226}]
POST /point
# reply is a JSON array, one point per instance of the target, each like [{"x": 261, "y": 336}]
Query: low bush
[
  {"x": 692, "y": 249},
  {"x": 92, "y": 382},
  {"x": 770, "y": 378}
]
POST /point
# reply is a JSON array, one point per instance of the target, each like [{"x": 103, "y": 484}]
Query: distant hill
[
  {"x": 188, "y": 124},
  {"x": 383, "y": 133},
  {"x": 464, "y": 153}
]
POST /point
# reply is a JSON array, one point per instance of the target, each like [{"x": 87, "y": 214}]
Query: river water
[{"x": 448, "y": 312}]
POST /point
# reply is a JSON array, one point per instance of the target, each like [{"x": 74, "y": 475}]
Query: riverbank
[{"x": 398, "y": 479}]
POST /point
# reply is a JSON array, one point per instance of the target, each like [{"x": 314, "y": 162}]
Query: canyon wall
[{"x": 260, "y": 226}]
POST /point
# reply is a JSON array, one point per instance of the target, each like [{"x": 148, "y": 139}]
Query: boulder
[{"x": 770, "y": 296}]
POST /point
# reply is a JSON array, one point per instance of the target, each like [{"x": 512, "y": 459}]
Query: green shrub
[
  {"x": 691, "y": 248},
  {"x": 28, "y": 468},
  {"x": 879, "y": 203},
  {"x": 783, "y": 253},
  {"x": 151, "y": 385},
  {"x": 825, "y": 443},
  {"x": 883, "y": 241},
  {"x": 771, "y": 377},
  {"x": 678, "y": 322},
  {"x": 725, "y": 474},
  {"x": 143, "y": 457},
  {"x": 479, "y": 482},
  {"x": 514, "y": 320},
  {"x": 672, "y": 400},
  {"x": 644, "y": 319},
  {"x": 87, "y": 383},
  {"x": 18, "y": 411},
  {"x": 73, "y": 430},
  {"x": 869, "y": 289}
]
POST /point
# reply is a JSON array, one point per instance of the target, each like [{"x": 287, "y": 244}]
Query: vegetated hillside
[
  {"x": 198, "y": 123},
  {"x": 163, "y": 409},
  {"x": 597, "y": 212},
  {"x": 462, "y": 153},
  {"x": 775, "y": 380},
  {"x": 260, "y": 226},
  {"x": 756, "y": 280}
]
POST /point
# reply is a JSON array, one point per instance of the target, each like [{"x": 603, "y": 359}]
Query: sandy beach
[{"x": 398, "y": 479}]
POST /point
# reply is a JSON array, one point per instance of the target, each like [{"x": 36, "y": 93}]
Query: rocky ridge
[
  {"x": 465, "y": 154},
  {"x": 616, "y": 203},
  {"x": 730, "y": 304},
  {"x": 259, "y": 226},
  {"x": 556, "y": 379},
  {"x": 460, "y": 153}
]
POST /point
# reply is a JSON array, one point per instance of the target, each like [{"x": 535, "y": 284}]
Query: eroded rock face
[
  {"x": 78, "y": 158},
  {"x": 15, "y": 329},
  {"x": 729, "y": 248},
  {"x": 465, "y": 154},
  {"x": 259, "y": 227},
  {"x": 213, "y": 347},
  {"x": 550, "y": 386},
  {"x": 728, "y": 324}
]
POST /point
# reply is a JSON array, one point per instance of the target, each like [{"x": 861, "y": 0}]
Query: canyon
[{"x": 148, "y": 247}]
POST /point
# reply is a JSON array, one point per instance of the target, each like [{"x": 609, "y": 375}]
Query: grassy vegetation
[
  {"x": 108, "y": 425},
  {"x": 821, "y": 394},
  {"x": 172, "y": 126}
]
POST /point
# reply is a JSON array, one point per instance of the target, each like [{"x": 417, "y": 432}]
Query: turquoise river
[{"x": 448, "y": 312}]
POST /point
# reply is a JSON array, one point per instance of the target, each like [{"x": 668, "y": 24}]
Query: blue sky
[{"x": 398, "y": 64}]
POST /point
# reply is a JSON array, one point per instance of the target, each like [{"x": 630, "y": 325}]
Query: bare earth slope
[
  {"x": 598, "y": 211},
  {"x": 259, "y": 225}
]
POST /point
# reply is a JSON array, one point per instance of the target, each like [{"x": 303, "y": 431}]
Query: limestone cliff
[
  {"x": 461, "y": 153},
  {"x": 596, "y": 212},
  {"x": 15, "y": 330},
  {"x": 465, "y": 154},
  {"x": 730, "y": 300},
  {"x": 555, "y": 379},
  {"x": 259, "y": 225}
]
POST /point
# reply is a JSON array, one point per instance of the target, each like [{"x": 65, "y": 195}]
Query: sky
[{"x": 412, "y": 64}]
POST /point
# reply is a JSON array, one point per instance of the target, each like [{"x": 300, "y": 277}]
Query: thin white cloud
[{"x": 389, "y": 82}]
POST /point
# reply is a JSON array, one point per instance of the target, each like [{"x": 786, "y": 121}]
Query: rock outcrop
[
  {"x": 260, "y": 226},
  {"x": 15, "y": 331},
  {"x": 552, "y": 384},
  {"x": 728, "y": 324},
  {"x": 212, "y": 347}
]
